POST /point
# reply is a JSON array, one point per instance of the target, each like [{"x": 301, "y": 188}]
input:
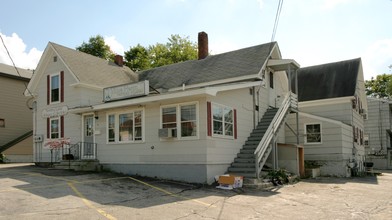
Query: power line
[
  {"x": 13, "y": 63},
  {"x": 278, "y": 10}
]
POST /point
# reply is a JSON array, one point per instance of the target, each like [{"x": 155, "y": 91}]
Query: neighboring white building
[
  {"x": 332, "y": 104},
  {"x": 185, "y": 121},
  {"x": 378, "y": 133},
  {"x": 67, "y": 80},
  {"x": 16, "y": 123}
]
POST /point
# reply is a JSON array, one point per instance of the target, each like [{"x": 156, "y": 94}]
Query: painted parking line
[
  {"x": 172, "y": 194},
  {"x": 61, "y": 184},
  {"x": 89, "y": 204}
]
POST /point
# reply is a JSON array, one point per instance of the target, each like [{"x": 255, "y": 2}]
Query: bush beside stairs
[{"x": 244, "y": 163}]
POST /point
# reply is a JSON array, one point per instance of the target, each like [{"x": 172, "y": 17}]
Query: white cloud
[
  {"x": 377, "y": 57},
  {"x": 17, "y": 49},
  {"x": 114, "y": 45}
]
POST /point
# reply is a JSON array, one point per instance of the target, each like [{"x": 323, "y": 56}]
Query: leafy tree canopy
[
  {"x": 96, "y": 46},
  {"x": 379, "y": 87},
  {"x": 176, "y": 50}
]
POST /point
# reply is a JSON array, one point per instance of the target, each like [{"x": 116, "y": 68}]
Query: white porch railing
[{"x": 290, "y": 101}]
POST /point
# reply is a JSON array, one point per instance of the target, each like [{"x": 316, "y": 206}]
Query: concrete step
[
  {"x": 244, "y": 174},
  {"x": 244, "y": 160},
  {"x": 79, "y": 165},
  {"x": 255, "y": 183},
  {"x": 242, "y": 169},
  {"x": 240, "y": 164}
]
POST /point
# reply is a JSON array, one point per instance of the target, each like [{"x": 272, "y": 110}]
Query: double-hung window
[
  {"x": 55, "y": 88},
  {"x": 223, "y": 121},
  {"x": 54, "y": 128},
  {"x": 182, "y": 117},
  {"x": 313, "y": 133},
  {"x": 125, "y": 127}
]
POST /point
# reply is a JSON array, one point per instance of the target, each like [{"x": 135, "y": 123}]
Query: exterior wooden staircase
[
  {"x": 254, "y": 153},
  {"x": 244, "y": 163},
  {"x": 16, "y": 141}
]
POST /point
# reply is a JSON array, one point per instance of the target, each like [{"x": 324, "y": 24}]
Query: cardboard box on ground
[{"x": 229, "y": 181}]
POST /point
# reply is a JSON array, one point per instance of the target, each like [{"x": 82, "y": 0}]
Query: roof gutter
[{"x": 217, "y": 82}]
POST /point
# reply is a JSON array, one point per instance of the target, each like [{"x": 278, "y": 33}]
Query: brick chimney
[
  {"x": 203, "y": 45},
  {"x": 118, "y": 59}
]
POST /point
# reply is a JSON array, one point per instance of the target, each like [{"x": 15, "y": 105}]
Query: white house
[
  {"x": 378, "y": 135},
  {"x": 187, "y": 121},
  {"x": 332, "y": 105},
  {"x": 66, "y": 80}
]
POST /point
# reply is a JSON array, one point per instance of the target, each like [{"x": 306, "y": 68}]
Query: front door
[
  {"x": 389, "y": 159},
  {"x": 88, "y": 146}
]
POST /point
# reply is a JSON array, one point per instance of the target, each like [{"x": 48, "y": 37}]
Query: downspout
[
  {"x": 254, "y": 106},
  {"x": 297, "y": 113}
]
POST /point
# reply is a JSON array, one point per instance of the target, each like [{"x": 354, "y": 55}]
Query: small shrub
[
  {"x": 279, "y": 177},
  {"x": 2, "y": 158}
]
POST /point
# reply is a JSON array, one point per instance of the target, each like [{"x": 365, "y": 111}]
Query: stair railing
[
  {"x": 271, "y": 131},
  {"x": 81, "y": 151}
]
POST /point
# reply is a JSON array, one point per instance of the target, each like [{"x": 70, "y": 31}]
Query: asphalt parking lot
[{"x": 30, "y": 192}]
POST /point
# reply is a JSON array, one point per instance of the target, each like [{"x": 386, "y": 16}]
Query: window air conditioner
[{"x": 167, "y": 132}]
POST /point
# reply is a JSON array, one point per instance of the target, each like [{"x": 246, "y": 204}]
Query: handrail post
[{"x": 257, "y": 166}]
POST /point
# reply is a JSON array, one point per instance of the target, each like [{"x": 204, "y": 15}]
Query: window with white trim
[
  {"x": 222, "y": 120},
  {"x": 55, "y": 88},
  {"x": 125, "y": 127},
  {"x": 54, "y": 128},
  {"x": 313, "y": 133},
  {"x": 181, "y": 116}
]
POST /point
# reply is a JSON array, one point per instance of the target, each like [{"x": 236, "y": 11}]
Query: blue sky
[{"x": 310, "y": 31}]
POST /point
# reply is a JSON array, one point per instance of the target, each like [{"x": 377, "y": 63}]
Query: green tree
[
  {"x": 137, "y": 58},
  {"x": 176, "y": 50},
  {"x": 96, "y": 46},
  {"x": 380, "y": 87}
]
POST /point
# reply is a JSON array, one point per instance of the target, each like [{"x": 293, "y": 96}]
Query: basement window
[{"x": 313, "y": 133}]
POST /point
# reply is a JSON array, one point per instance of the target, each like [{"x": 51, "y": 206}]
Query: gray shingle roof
[
  {"x": 94, "y": 70},
  {"x": 243, "y": 62},
  {"x": 10, "y": 70},
  {"x": 331, "y": 80}
]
